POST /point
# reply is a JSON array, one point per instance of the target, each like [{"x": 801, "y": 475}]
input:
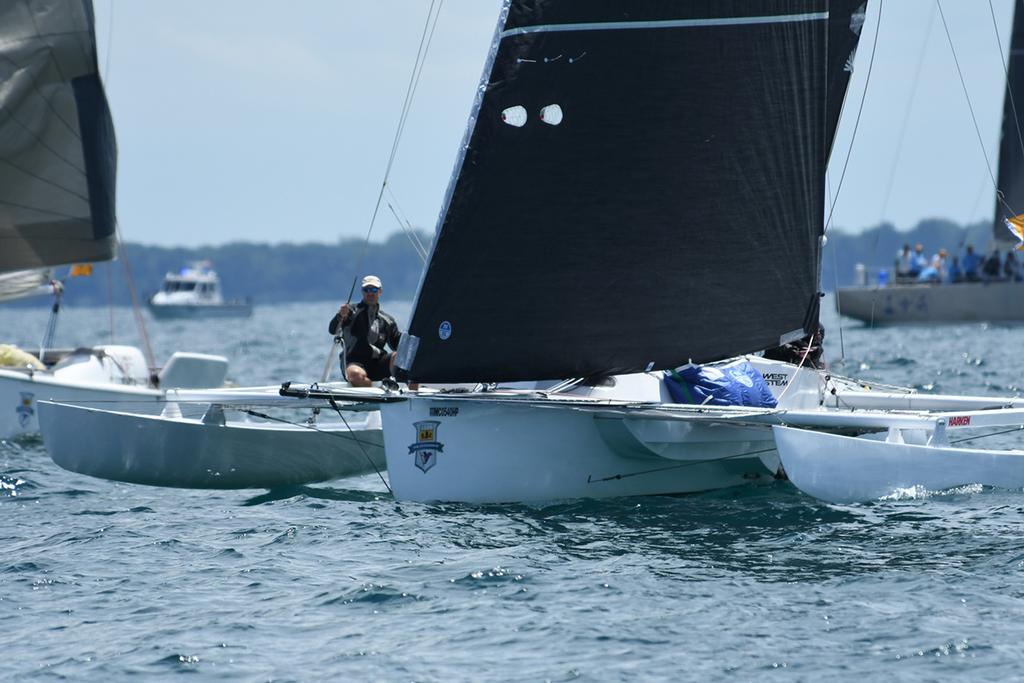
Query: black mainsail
[
  {"x": 58, "y": 154},
  {"x": 1010, "y": 182},
  {"x": 641, "y": 185}
]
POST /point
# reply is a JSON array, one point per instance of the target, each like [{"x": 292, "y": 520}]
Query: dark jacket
[{"x": 366, "y": 332}]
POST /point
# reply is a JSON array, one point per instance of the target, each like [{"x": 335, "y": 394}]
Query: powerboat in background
[
  {"x": 997, "y": 299},
  {"x": 194, "y": 292}
]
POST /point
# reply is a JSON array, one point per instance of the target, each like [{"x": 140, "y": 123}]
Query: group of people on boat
[{"x": 914, "y": 266}]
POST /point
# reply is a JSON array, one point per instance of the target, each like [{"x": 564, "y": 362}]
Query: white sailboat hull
[
  {"x": 487, "y": 451},
  {"x": 188, "y": 453},
  {"x": 963, "y": 302},
  {"x": 843, "y": 469},
  {"x": 20, "y": 393}
]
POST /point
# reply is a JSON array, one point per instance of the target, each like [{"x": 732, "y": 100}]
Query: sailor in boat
[
  {"x": 367, "y": 330},
  {"x": 919, "y": 262},
  {"x": 904, "y": 264},
  {"x": 806, "y": 351},
  {"x": 970, "y": 265},
  {"x": 1011, "y": 268},
  {"x": 992, "y": 267}
]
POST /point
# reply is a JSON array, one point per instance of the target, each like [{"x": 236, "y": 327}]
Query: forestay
[
  {"x": 639, "y": 187},
  {"x": 57, "y": 144}
]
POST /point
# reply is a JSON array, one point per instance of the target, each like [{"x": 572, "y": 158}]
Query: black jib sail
[
  {"x": 58, "y": 154},
  {"x": 641, "y": 185},
  {"x": 1010, "y": 191}
]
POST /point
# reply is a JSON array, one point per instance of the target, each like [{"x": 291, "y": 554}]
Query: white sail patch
[
  {"x": 551, "y": 114},
  {"x": 514, "y": 116}
]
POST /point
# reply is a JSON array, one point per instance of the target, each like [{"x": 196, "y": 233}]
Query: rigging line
[
  {"x": 906, "y": 115},
  {"x": 304, "y": 425},
  {"x": 147, "y": 347},
  {"x": 420, "y": 54},
  {"x": 410, "y": 230},
  {"x": 982, "y": 436},
  {"x": 689, "y": 463},
  {"x": 420, "y": 251},
  {"x": 334, "y": 404},
  {"x": 967, "y": 96},
  {"x": 1006, "y": 72},
  {"x": 856, "y": 125},
  {"x": 419, "y": 73}
]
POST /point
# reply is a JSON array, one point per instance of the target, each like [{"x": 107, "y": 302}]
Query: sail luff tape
[{"x": 666, "y": 23}]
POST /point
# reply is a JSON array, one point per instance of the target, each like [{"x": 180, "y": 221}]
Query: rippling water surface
[{"x": 112, "y": 581}]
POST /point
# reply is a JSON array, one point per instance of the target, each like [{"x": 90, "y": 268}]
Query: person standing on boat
[
  {"x": 971, "y": 264},
  {"x": 919, "y": 262},
  {"x": 904, "y": 263},
  {"x": 367, "y": 330}
]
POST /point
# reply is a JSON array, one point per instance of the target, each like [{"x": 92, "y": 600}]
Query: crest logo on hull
[
  {"x": 25, "y": 410},
  {"x": 427, "y": 446}
]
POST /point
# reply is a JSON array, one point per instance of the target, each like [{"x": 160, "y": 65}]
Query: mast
[{"x": 638, "y": 188}]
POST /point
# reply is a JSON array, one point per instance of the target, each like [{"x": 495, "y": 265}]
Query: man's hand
[{"x": 344, "y": 311}]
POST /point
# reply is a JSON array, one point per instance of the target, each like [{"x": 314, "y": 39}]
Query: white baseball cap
[{"x": 372, "y": 281}]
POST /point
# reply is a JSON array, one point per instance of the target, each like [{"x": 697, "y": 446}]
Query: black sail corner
[
  {"x": 639, "y": 187},
  {"x": 57, "y": 144}
]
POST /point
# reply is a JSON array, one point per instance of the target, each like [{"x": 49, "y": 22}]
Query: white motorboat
[
  {"x": 222, "y": 447},
  {"x": 195, "y": 292}
]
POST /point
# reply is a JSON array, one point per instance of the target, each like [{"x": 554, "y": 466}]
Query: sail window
[
  {"x": 551, "y": 114},
  {"x": 514, "y": 116}
]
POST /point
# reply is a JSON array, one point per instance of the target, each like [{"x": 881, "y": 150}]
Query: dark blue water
[{"x": 108, "y": 581}]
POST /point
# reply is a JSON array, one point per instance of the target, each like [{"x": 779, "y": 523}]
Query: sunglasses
[{"x": 371, "y": 290}]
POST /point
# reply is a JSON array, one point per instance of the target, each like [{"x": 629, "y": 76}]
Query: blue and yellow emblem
[
  {"x": 25, "y": 410},
  {"x": 427, "y": 446}
]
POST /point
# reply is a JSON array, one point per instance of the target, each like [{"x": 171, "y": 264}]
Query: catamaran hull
[
  {"x": 483, "y": 451},
  {"x": 843, "y": 469},
  {"x": 964, "y": 302},
  {"x": 187, "y": 453},
  {"x": 21, "y": 391}
]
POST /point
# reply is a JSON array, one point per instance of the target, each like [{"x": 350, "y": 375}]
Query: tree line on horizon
[{"x": 282, "y": 273}]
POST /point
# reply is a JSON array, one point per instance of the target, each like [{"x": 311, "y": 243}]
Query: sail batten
[
  {"x": 632, "y": 199},
  {"x": 58, "y": 152},
  {"x": 667, "y": 23}
]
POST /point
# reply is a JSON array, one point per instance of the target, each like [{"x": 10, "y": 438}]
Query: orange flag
[{"x": 81, "y": 270}]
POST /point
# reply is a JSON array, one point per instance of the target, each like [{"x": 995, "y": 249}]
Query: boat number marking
[
  {"x": 443, "y": 411},
  {"x": 960, "y": 421}
]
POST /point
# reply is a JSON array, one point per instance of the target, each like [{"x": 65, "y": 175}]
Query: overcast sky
[{"x": 264, "y": 121}]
